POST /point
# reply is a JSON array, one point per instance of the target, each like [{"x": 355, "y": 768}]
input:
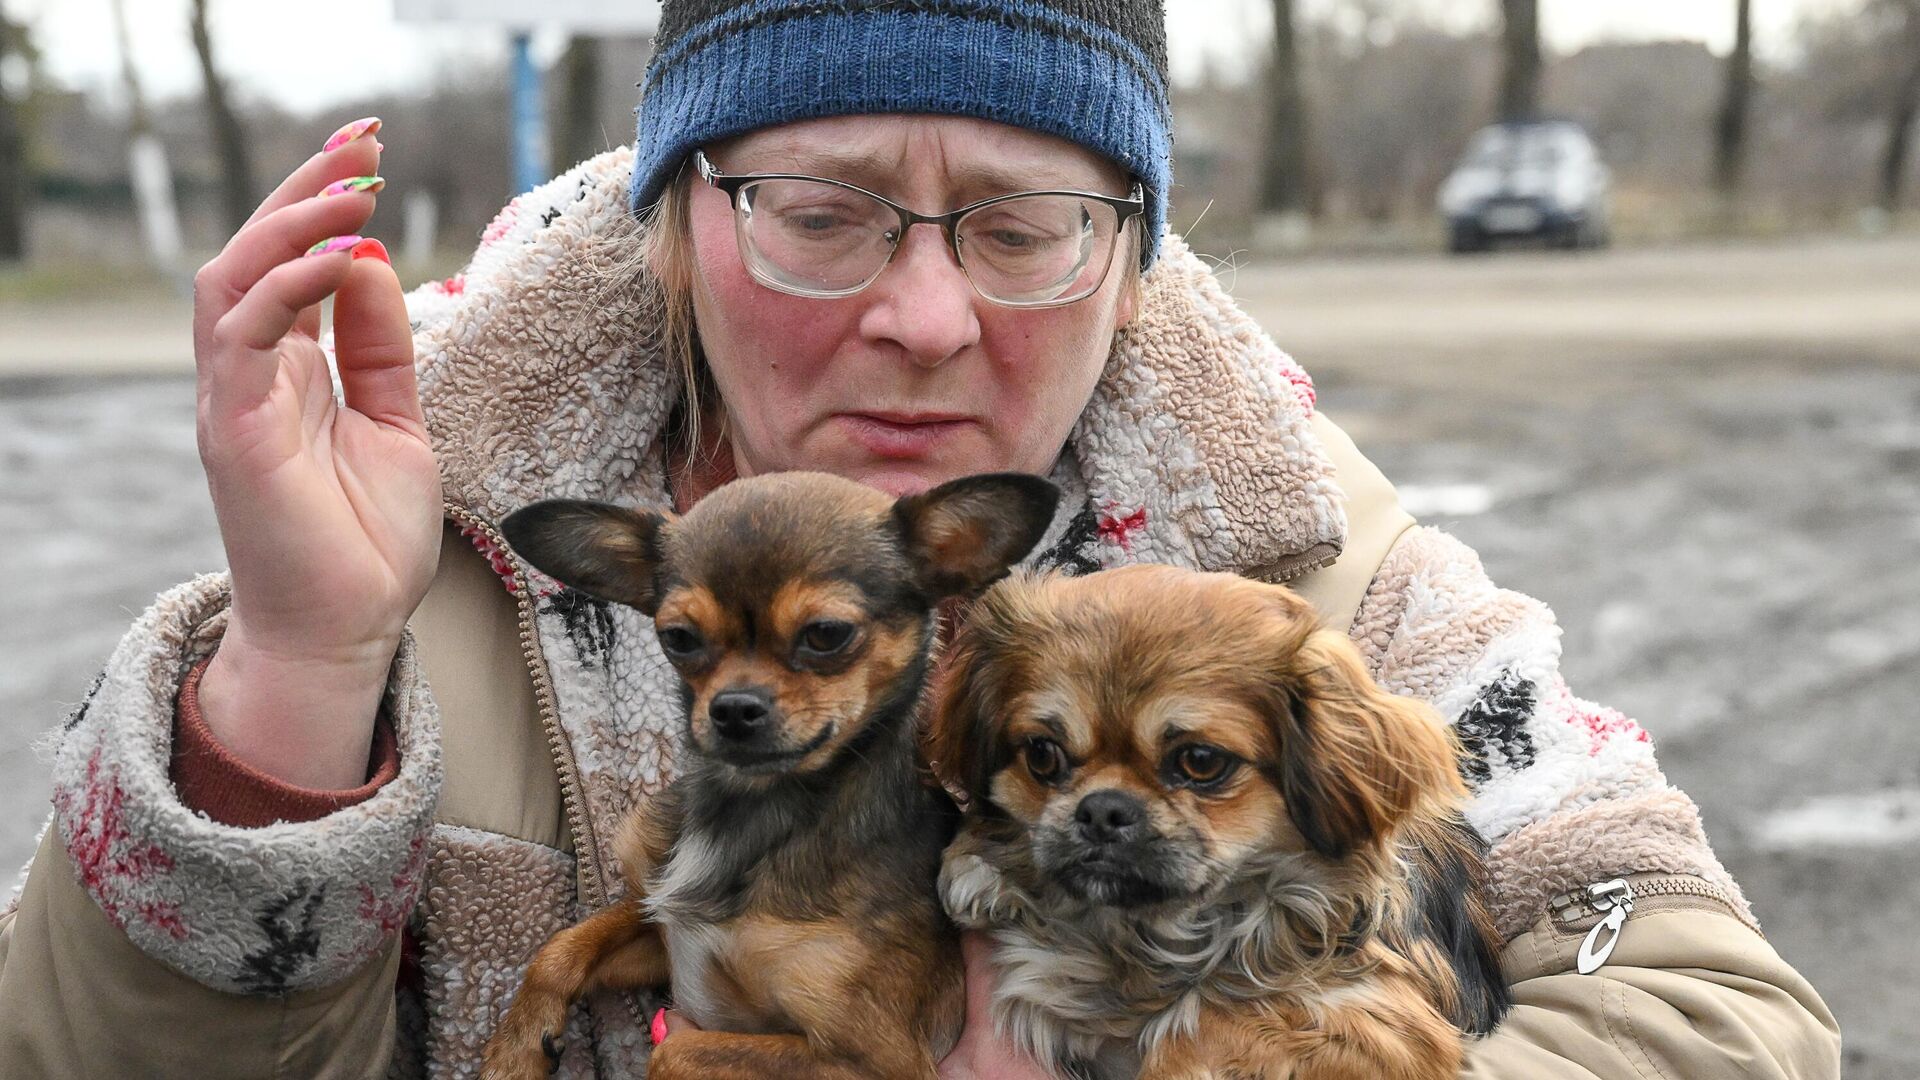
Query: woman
[{"x": 314, "y": 818}]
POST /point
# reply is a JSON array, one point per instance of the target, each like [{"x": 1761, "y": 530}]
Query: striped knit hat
[{"x": 1091, "y": 71}]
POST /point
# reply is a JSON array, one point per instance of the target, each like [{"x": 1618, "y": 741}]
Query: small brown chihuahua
[{"x": 784, "y": 883}]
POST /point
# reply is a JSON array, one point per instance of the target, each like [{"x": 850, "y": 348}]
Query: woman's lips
[{"x": 898, "y": 435}]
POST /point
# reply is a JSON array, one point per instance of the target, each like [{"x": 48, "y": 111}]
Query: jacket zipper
[
  {"x": 1297, "y": 566},
  {"x": 1613, "y": 900},
  {"x": 586, "y": 845}
]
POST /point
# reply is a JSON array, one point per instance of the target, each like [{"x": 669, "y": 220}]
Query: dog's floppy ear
[
  {"x": 979, "y": 676},
  {"x": 607, "y": 551},
  {"x": 1356, "y": 759},
  {"x": 966, "y": 533},
  {"x": 958, "y": 737}
]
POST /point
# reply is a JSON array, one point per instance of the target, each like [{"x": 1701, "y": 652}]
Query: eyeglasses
[{"x": 809, "y": 236}]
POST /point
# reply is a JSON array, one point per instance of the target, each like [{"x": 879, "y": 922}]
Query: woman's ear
[
  {"x": 1133, "y": 288},
  {"x": 1356, "y": 761},
  {"x": 607, "y": 551}
]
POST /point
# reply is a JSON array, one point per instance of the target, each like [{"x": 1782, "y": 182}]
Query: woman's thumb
[{"x": 373, "y": 341}]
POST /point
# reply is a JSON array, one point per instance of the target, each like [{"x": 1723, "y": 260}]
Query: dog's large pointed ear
[
  {"x": 607, "y": 551},
  {"x": 966, "y": 533},
  {"x": 1355, "y": 759}
]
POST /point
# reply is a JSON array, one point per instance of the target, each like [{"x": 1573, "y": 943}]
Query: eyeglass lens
[{"x": 825, "y": 240}]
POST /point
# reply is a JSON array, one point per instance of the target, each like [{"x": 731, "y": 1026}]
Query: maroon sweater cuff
[{"x": 211, "y": 780}]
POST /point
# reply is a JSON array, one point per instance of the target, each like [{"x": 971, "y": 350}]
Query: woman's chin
[
  {"x": 899, "y": 474},
  {"x": 902, "y": 478},
  {"x": 899, "y": 480},
  {"x": 896, "y": 475}
]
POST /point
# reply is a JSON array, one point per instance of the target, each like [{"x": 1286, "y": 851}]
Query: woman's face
[{"x": 917, "y": 379}]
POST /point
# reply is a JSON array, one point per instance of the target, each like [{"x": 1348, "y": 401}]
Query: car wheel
[{"x": 1466, "y": 239}]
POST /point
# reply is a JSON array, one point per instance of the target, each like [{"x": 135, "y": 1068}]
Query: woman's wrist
[{"x": 305, "y": 718}]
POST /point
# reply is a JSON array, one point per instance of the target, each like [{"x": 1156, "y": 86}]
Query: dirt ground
[{"x": 1706, "y": 459}]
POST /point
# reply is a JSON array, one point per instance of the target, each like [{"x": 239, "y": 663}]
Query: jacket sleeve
[
  {"x": 151, "y": 940},
  {"x": 1568, "y": 794},
  {"x": 1688, "y": 992}
]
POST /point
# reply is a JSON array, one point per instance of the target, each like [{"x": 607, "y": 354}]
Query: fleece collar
[{"x": 542, "y": 372}]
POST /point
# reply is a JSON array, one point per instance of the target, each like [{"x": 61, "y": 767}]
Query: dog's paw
[
  {"x": 517, "y": 1061},
  {"x": 668, "y": 1063},
  {"x": 527, "y": 1044},
  {"x": 975, "y": 894}
]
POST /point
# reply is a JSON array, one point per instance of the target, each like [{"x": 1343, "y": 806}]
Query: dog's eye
[
  {"x": 1045, "y": 760},
  {"x": 826, "y": 637},
  {"x": 1202, "y": 765},
  {"x": 678, "y": 642}
]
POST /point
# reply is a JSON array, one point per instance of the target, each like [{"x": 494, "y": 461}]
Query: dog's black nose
[
  {"x": 1110, "y": 816},
  {"x": 740, "y": 715}
]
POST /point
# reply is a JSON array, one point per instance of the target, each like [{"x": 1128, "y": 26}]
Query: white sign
[{"x": 613, "y": 17}]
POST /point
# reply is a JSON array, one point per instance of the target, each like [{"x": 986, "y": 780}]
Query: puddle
[
  {"x": 1879, "y": 819},
  {"x": 1445, "y": 500}
]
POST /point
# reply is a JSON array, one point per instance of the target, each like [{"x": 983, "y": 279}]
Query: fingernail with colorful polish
[
  {"x": 352, "y": 131},
  {"x": 372, "y": 249},
  {"x": 333, "y": 244},
  {"x": 368, "y": 184},
  {"x": 659, "y": 1030}
]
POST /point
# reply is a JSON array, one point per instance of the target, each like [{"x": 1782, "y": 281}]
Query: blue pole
[{"x": 529, "y": 119}]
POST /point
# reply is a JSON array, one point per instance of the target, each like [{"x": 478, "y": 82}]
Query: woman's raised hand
[{"x": 330, "y": 515}]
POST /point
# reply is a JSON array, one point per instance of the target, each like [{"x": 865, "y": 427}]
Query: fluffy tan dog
[{"x": 1208, "y": 845}]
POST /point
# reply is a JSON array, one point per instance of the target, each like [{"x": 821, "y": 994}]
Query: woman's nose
[{"x": 923, "y": 301}]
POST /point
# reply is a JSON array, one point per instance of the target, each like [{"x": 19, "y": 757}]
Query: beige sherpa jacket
[{"x": 387, "y": 938}]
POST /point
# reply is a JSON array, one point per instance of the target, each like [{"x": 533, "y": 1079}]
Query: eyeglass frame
[{"x": 1135, "y": 205}]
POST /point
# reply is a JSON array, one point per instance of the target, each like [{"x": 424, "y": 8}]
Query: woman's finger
[
  {"x": 279, "y": 237},
  {"x": 982, "y": 1053},
  {"x": 242, "y": 356},
  {"x": 350, "y": 152},
  {"x": 309, "y": 321},
  {"x": 343, "y": 154},
  {"x": 668, "y": 1022},
  {"x": 373, "y": 342},
  {"x": 976, "y": 952}
]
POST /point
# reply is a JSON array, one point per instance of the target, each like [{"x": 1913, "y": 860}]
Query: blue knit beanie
[{"x": 1091, "y": 71}]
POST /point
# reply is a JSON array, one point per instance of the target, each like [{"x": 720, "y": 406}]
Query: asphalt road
[{"x": 1707, "y": 460}]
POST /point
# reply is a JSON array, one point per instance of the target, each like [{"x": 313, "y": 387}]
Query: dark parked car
[{"x": 1528, "y": 179}]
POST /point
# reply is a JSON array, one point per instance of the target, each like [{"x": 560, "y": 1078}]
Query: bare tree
[
  {"x": 1904, "y": 107},
  {"x": 580, "y": 133},
  {"x": 1730, "y": 127},
  {"x": 229, "y": 135},
  {"x": 1288, "y": 180},
  {"x": 139, "y": 121},
  {"x": 13, "y": 152},
  {"x": 1401, "y": 97},
  {"x": 1520, "y": 48},
  {"x": 147, "y": 168}
]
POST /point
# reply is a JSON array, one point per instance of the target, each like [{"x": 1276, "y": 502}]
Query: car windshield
[{"x": 1535, "y": 148}]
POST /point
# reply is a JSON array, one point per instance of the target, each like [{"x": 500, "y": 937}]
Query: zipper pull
[{"x": 1616, "y": 899}]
